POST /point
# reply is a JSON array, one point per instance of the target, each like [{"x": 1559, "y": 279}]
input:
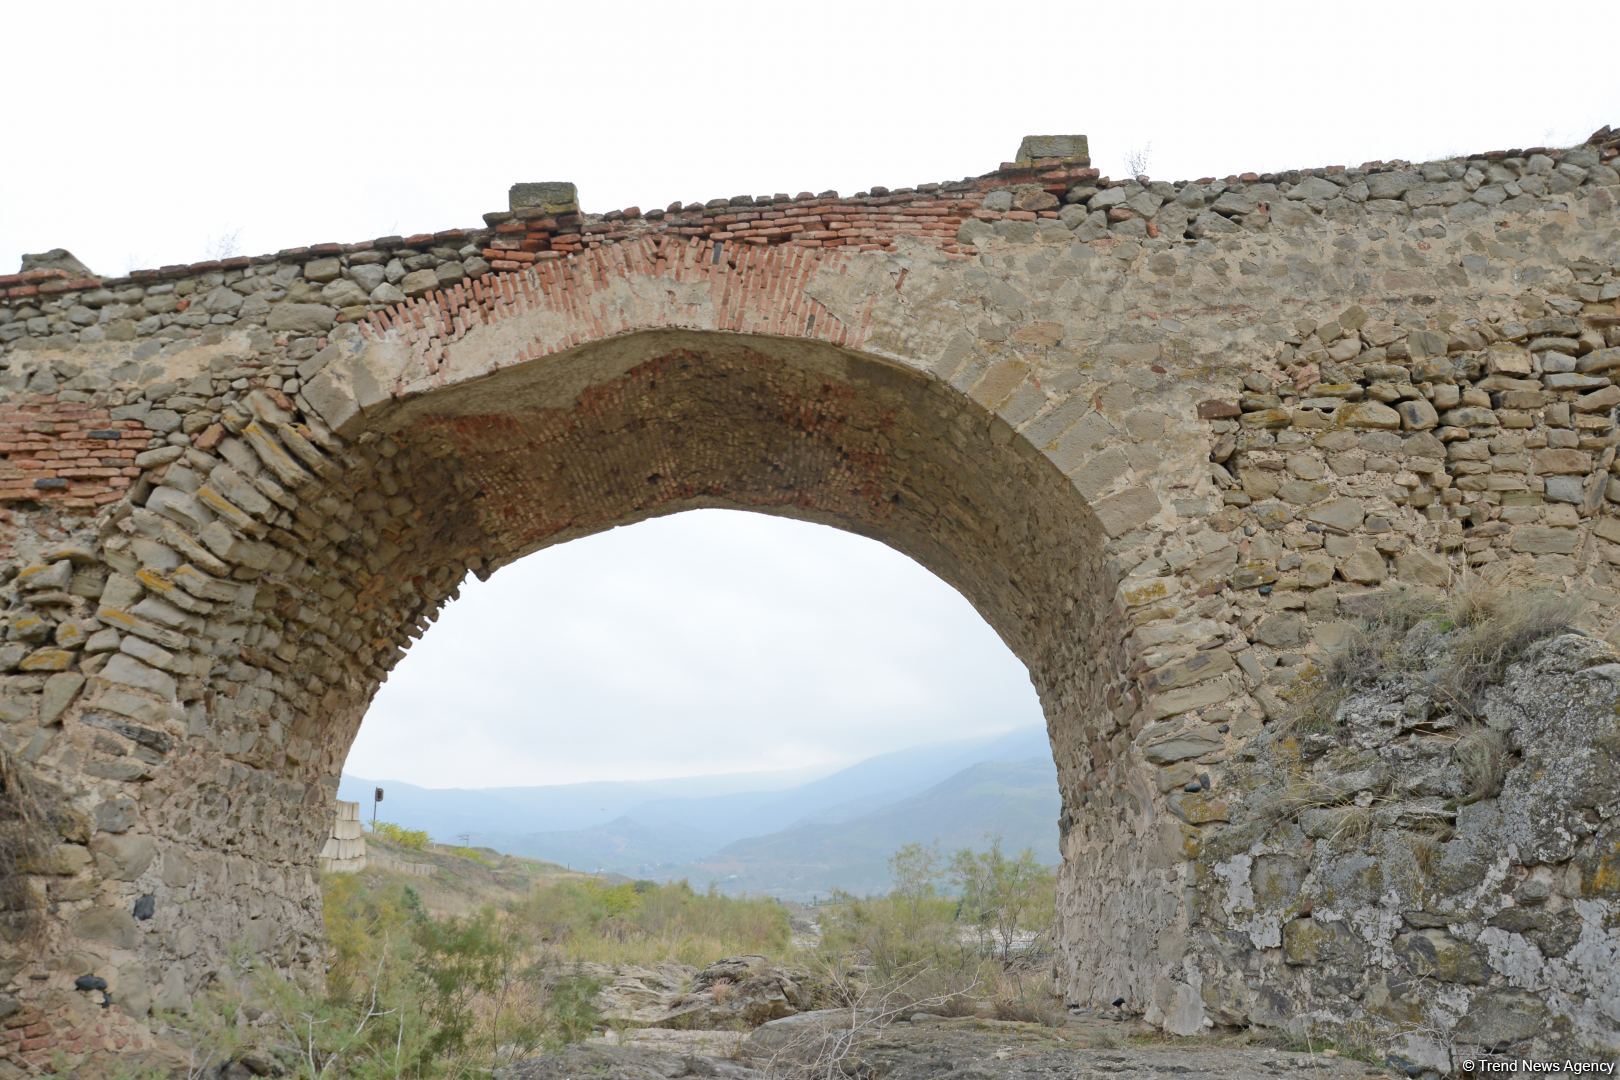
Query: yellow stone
[{"x": 47, "y": 659}]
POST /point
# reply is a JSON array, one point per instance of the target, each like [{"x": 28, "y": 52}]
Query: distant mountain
[
  {"x": 762, "y": 833},
  {"x": 864, "y": 786},
  {"x": 670, "y": 815},
  {"x": 484, "y": 812},
  {"x": 1016, "y": 801}
]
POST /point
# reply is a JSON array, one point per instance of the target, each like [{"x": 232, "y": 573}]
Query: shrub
[
  {"x": 1002, "y": 896},
  {"x": 918, "y": 944},
  {"x": 407, "y": 994},
  {"x": 571, "y": 1011},
  {"x": 410, "y": 839}
]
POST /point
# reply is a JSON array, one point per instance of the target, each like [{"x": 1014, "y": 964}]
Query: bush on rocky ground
[
  {"x": 409, "y": 994},
  {"x": 970, "y": 934}
]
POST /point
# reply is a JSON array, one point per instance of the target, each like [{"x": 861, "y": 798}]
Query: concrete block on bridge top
[
  {"x": 552, "y": 196},
  {"x": 1068, "y": 148}
]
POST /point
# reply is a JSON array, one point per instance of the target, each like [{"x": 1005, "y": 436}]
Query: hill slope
[
  {"x": 483, "y": 812},
  {"x": 1017, "y": 801},
  {"x": 637, "y": 826}
]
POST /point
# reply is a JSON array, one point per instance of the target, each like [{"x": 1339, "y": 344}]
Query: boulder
[{"x": 737, "y": 992}]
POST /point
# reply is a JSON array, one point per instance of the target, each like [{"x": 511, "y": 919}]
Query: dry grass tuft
[
  {"x": 1380, "y": 642},
  {"x": 1354, "y": 823},
  {"x": 1473, "y": 634},
  {"x": 1495, "y": 629},
  {"x": 1483, "y": 754}
]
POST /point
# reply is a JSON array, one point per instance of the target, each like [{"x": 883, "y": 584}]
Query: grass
[
  {"x": 589, "y": 920},
  {"x": 1354, "y": 823},
  {"x": 1461, "y": 643},
  {"x": 477, "y": 855},
  {"x": 1495, "y": 629},
  {"x": 1483, "y": 753}
]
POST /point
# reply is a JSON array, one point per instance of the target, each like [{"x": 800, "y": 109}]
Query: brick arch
[{"x": 653, "y": 282}]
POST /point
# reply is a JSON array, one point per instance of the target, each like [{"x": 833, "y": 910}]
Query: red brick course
[
  {"x": 67, "y": 454},
  {"x": 33, "y": 1038},
  {"x": 34, "y": 282}
]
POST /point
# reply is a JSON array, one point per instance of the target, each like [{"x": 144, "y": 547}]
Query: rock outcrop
[
  {"x": 1431, "y": 875},
  {"x": 737, "y": 993}
]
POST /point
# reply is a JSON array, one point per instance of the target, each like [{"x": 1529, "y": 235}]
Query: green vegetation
[
  {"x": 1002, "y": 897},
  {"x": 409, "y": 993},
  {"x": 983, "y": 942},
  {"x": 410, "y": 839},
  {"x": 646, "y": 923}
]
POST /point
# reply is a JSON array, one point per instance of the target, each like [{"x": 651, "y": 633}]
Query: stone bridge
[{"x": 1164, "y": 437}]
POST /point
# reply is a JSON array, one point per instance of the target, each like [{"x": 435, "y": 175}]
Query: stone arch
[
  {"x": 487, "y": 467},
  {"x": 265, "y": 579}
]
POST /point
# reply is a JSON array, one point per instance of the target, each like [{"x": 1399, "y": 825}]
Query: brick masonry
[{"x": 1165, "y": 437}]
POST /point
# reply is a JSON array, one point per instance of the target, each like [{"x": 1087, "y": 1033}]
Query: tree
[
  {"x": 915, "y": 870},
  {"x": 1001, "y": 896}
]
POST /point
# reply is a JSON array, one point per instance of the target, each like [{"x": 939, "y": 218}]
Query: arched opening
[
  {"x": 476, "y": 473},
  {"x": 738, "y": 632},
  {"x": 697, "y": 687}
]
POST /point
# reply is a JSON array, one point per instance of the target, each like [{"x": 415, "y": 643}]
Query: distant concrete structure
[
  {"x": 383, "y": 859},
  {"x": 345, "y": 849}
]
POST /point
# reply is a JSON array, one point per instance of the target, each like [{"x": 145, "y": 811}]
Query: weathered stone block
[
  {"x": 551, "y": 196},
  {"x": 1074, "y": 149},
  {"x": 301, "y": 318},
  {"x": 123, "y": 857},
  {"x": 1182, "y": 741}
]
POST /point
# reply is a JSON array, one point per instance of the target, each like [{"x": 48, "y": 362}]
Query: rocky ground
[
  {"x": 816, "y": 1046},
  {"x": 738, "y": 992},
  {"x": 748, "y": 1019}
]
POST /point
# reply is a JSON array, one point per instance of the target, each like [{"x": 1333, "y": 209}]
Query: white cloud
[
  {"x": 153, "y": 128},
  {"x": 712, "y": 641}
]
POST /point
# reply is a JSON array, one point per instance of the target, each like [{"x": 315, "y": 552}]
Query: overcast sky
[
  {"x": 708, "y": 642},
  {"x": 152, "y": 133}
]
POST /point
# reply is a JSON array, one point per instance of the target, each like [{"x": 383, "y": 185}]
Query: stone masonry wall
[{"x": 1166, "y": 438}]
